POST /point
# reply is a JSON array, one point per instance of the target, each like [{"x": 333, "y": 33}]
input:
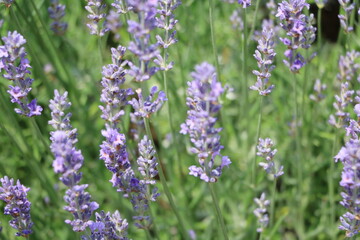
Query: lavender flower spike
[
  {"x": 17, "y": 205},
  {"x": 68, "y": 161},
  {"x": 265, "y": 57},
  {"x": 96, "y": 9},
  {"x": 345, "y": 19},
  {"x": 265, "y": 151},
  {"x": 57, "y": 12},
  {"x": 245, "y": 3},
  {"x": 16, "y": 66},
  {"x": 203, "y": 102},
  {"x": 260, "y": 212}
]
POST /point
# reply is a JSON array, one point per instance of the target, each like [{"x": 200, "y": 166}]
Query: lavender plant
[
  {"x": 260, "y": 212},
  {"x": 267, "y": 153},
  {"x": 97, "y": 15},
  {"x": 203, "y": 103},
  {"x": 15, "y": 67},
  {"x": 68, "y": 161},
  {"x": 348, "y": 8},
  {"x": 17, "y": 206},
  {"x": 319, "y": 88},
  {"x": 56, "y": 13}
]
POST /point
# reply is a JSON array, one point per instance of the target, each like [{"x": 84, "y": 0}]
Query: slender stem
[
  {"x": 211, "y": 16},
  {"x": 272, "y": 204},
  {"x": 101, "y": 55},
  {"x": 39, "y": 134},
  {"x": 148, "y": 235},
  {"x": 164, "y": 184},
  {"x": 258, "y": 131},
  {"x": 218, "y": 211},
  {"x": 244, "y": 76},
  {"x": 255, "y": 20}
]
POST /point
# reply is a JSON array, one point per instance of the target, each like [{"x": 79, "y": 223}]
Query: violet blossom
[
  {"x": 345, "y": 18},
  {"x": 264, "y": 56},
  {"x": 261, "y": 212},
  {"x": 203, "y": 103},
  {"x": 17, "y": 206},
  {"x": 57, "y": 12},
  {"x": 68, "y": 161},
  {"x": 16, "y": 67},
  {"x": 97, "y": 15},
  {"x": 267, "y": 153}
]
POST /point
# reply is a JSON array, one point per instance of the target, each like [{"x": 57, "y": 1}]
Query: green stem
[
  {"x": 258, "y": 131},
  {"x": 255, "y": 20},
  {"x": 272, "y": 204},
  {"x": 211, "y": 16},
  {"x": 244, "y": 76},
  {"x": 101, "y": 55},
  {"x": 218, "y": 211},
  {"x": 164, "y": 184},
  {"x": 319, "y": 40}
]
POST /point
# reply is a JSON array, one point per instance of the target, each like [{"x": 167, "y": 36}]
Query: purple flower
[
  {"x": 345, "y": 19},
  {"x": 260, "y": 212},
  {"x": 348, "y": 68},
  {"x": 57, "y": 12},
  {"x": 236, "y": 20},
  {"x": 145, "y": 52},
  {"x": 68, "y": 161},
  {"x": 265, "y": 151},
  {"x": 108, "y": 226},
  {"x": 349, "y": 155},
  {"x": 96, "y": 9},
  {"x": 245, "y": 3},
  {"x": 17, "y": 206},
  {"x": 146, "y": 107},
  {"x": 299, "y": 30},
  {"x": 147, "y": 161},
  {"x": 264, "y": 56},
  {"x": 167, "y": 22},
  {"x": 121, "y": 6},
  {"x": 203, "y": 102},
  {"x": 16, "y": 69}
]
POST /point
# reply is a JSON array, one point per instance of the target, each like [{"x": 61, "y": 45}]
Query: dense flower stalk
[
  {"x": 56, "y": 13},
  {"x": 68, "y": 161},
  {"x": 108, "y": 226},
  {"x": 113, "y": 149},
  {"x": 345, "y": 18},
  {"x": 141, "y": 69},
  {"x": 167, "y": 22},
  {"x": 265, "y": 151},
  {"x": 260, "y": 212},
  {"x": 146, "y": 107},
  {"x": 264, "y": 56},
  {"x": 16, "y": 67},
  {"x": 203, "y": 102},
  {"x": 17, "y": 205},
  {"x": 299, "y": 30},
  {"x": 96, "y": 9}
]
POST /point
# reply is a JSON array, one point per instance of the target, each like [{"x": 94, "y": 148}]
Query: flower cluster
[
  {"x": 68, "y": 161},
  {"x": 14, "y": 62},
  {"x": 348, "y": 66},
  {"x": 345, "y": 19},
  {"x": 121, "y": 6},
  {"x": 260, "y": 212},
  {"x": 57, "y": 12},
  {"x": 244, "y": 3},
  {"x": 318, "y": 89},
  {"x": 17, "y": 205},
  {"x": 264, "y": 56},
  {"x": 265, "y": 151},
  {"x": 96, "y": 9},
  {"x": 108, "y": 226},
  {"x": 203, "y": 102},
  {"x": 145, "y": 107},
  {"x": 299, "y": 30},
  {"x": 236, "y": 20},
  {"x": 141, "y": 47},
  {"x": 167, "y": 22}
]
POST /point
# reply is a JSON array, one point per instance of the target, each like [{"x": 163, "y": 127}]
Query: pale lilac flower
[
  {"x": 146, "y": 107},
  {"x": 108, "y": 226},
  {"x": 348, "y": 66},
  {"x": 96, "y": 9},
  {"x": 345, "y": 19},
  {"x": 147, "y": 162},
  {"x": 68, "y": 161},
  {"x": 113, "y": 24},
  {"x": 121, "y": 6},
  {"x": 244, "y": 3},
  {"x": 16, "y": 69},
  {"x": 17, "y": 206},
  {"x": 56, "y": 13},
  {"x": 319, "y": 88},
  {"x": 264, "y": 56},
  {"x": 261, "y": 212},
  {"x": 340, "y": 105},
  {"x": 203, "y": 103},
  {"x": 299, "y": 30},
  {"x": 236, "y": 20},
  {"x": 267, "y": 153}
]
